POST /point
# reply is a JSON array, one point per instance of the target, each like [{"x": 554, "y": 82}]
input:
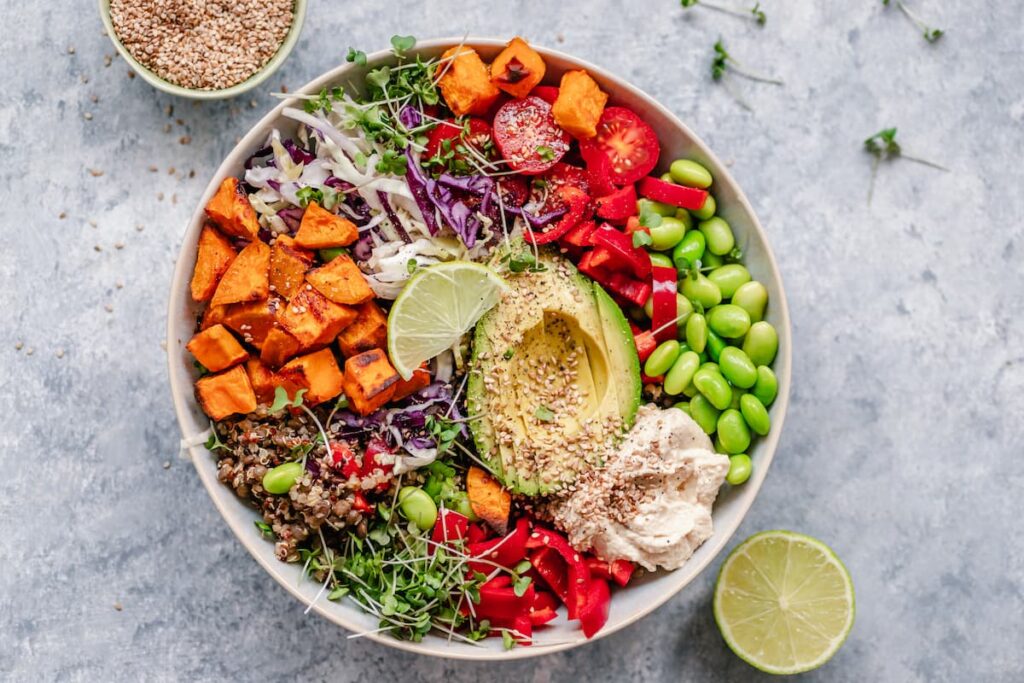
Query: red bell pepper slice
[
  {"x": 594, "y": 612},
  {"x": 351, "y": 465},
  {"x": 553, "y": 570},
  {"x": 577, "y": 200},
  {"x": 587, "y": 267},
  {"x": 580, "y": 235},
  {"x": 577, "y": 575},
  {"x": 501, "y": 602},
  {"x": 523, "y": 624},
  {"x": 618, "y": 205},
  {"x": 450, "y": 526},
  {"x": 645, "y": 344},
  {"x": 599, "y": 167},
  {"x": 622, "y": 571},
  {"x": 539, "y": 617},
  {"x": 633, "y": 291},
  {"x": 599, "y": 569},
  {"x": 665, "y": 280},
  {"x": 669, "y": 193},
  {"x": 647, "y": 379},
  {"x": 506, "y": 551},
  {"x": 621, "y": 245},
  {"x": 477, "y": 533}
]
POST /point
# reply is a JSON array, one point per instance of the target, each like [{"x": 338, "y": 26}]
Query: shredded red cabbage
[
  {"x": 393, "y": 217},
  {"x": 298, "y": 155},
  {"x": 292, "y": 217}
]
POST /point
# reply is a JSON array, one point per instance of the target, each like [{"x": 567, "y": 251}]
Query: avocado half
[{"x": 545, "y": 317}]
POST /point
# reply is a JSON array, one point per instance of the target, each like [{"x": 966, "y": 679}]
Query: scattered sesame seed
[
  {"x": 159, "y": 196},
  {"x": 83, "y": 78},
  {"x": 62, "y": 215},
  {"x": 94, "y": 98},
  {"x": 167, "y": 464},
  {"x": 19, "y": 346},
  {"x": 139, "y": 227},
  {"x": 88, "y": 116},
  {"x": 118, "y": 245},
  {"x": 192, "y": 173},
  {"x": 109, "y": 308},
  {"x": 97, "y": 247},
  {"x": 119, "y": 284},
  {"x": 170, "y": 170},
  {"x": 107, "y": 60},
  {"x": 118, "y": 606},
  {"x": 131, "y": 74},
  {"x": 59, "y": 353},
  {"x": 153, "y": 169},
  {"x": 29, "y": 351},
  {"x": 71, "y": 49},
  {"x": 95, "y": 172},
  {"x": 92, "y": 224},
  {"x": 167, "y": 128},
  {"x": 163, "y": 344},
  {"x": 185, "y": 139}
]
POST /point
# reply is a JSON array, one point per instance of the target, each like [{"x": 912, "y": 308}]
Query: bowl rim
[
  {"x": 183, "y": 395},
  {"x": 265, "y": 72}
]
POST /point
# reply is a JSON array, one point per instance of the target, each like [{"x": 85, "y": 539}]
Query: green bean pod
[
  {"x": 729, "y": 320},
  {"x": 740, "y": 468},
  {"x": 651, "y": 206},
  {"x": 662, "y": 261},
  {"x": 707, "y": 210},
  {"x": 696, "y": 332},
  {"x": 667, "y": 234},
  {"x": 689, "y": 250},
  {"x": 715, "y": 345},
  {"x": 690, "y": 173},
  {"x": 700, "y": 290},
  {"x": 417, "y": 507},
  {"x": 729, "y": 278}
]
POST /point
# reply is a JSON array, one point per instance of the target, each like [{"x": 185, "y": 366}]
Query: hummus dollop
[{"x": 651, "y": 501}]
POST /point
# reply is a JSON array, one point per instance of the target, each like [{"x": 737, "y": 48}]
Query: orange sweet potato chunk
[
  {"x": 287, "y": 269},
  {"x": 316, "y": 372},
  {"x": 213, "y": 315},
  {"x": 216, "y": 349},
  {"x": 579, "y": 105},
  {"x": 370, "y": 381},
  {"x": 406, "y": 387},
  {"x": 226, "y": 393},
  {"x": 466, "y": 85},
  {"x": 252, "y": 321},
  {"x": 247, "y": 278},
  {"x": 231, "y": 211},
  {"x": 214, "y": 256},
  {"x": 321, "y": 229},
  {"x": 518, "y": 68},
  {"x": 489, "y": 500},
  {"x": 368, "y": 331},
  {"x": 341, "y": 281},
  {"x": 263, "y": 380},
  {"x": 279, "y": 347},
  {"x": 314, "y": 319}
]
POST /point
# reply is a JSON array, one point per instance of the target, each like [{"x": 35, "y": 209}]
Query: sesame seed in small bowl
[{"x": 204, "y": 50}]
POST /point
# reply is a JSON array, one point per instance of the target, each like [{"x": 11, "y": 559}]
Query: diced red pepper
[
  {"x": 577, "y": 574},
  {"x": 499, "y": 581},
  {"x": 664, "y": 282},
  {"x": 523, "y": 624},
  {"x": 501, "y": 602},
  {"x": 587, "y": 267},
  {"x": 645, "y": 344},
  {"x": 450, "y": 526},
  {"x": 618, "y": 205},
  {"x": 360, "y": 504},
  {"x": 647, "y": 379},
  {"x": 633, "y": 291},
  {"x": 351, "y": 465},
  {"x": 477, "y": 533},
  {"x": 599, "y": 569},
  {"x": 604, "y": 258},
  {"x": 581, "y": 234},
  {"x": 621, "y": 245},
  {"x": 622, "y": 571},
  {"x": 594, "y": 612},
  {"x": 506, "y": 551},
  {"x": 539, "y": 617},
  {"x": 553, "y": 569},
  {"x": 577, "y": 201},
  {"x": 598, "y": 171},
  {"x": 669, "y": 193}
]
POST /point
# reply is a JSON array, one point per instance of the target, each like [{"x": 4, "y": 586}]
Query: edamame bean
[
  {"x": 690, "y": 173},
  {"x": 660, "y": 260},
  {"x": 711, "y": 260},
  {"x": 739, "y": 469},
  {"x": 662, "y": 358},
  {"x": 737, "y": 396},
  {"x": 700, "y": 290},
  {"x": 715, "y": 345},
  {"x": 280, "y": 479},
  {"x": 730, "y": 321},
  {"x": 683, "y": 406},
  {"x": 331, "y": 253},
  {"x": 417, "y": 507},
  {"x": 681, "y": 373},
  {"x": 689, "y": 250},
  {"x": 691, "y": 391},
  {"x": 755, "y": 414},
  {"x": 718, "y": 235},
  {"x": 753, "y": 298},
  {"x": 696, "y": 332},
  {"x": 703, "y": 413},
  {"x": 711, "y": 365},
  {"x": 667, "y": 177},
  {"x": 651, "y": 206},
  {"x": 713, "y": 387},
  {"x": 707, "y": 210},
  {"x": 729, "y": 278},
  {"x": 684, "y": 309},
  {"x": 733, "y": 431},
  {"x": 737, "y": 367},
  {"x": 685, "y": 217},
  {"x": 667, "y": 234},
  {"x": 766, "y": 388},
  {"x": 459, "y": 502},
  {"x": 761, "y": 344}
]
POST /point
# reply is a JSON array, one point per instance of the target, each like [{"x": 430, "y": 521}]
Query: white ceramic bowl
[{"x": 639, "y": 598}]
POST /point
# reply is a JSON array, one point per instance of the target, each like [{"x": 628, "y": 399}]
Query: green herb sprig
[
  {"x": 755, "y": 12},
  {"x": 882, "y": 146},
  {"x": 722, "y": 63},
  {"x": 930, "y": 34}
]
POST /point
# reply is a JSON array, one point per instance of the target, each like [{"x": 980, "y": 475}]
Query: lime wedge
[
  {"x": 784, "y": 602},
  {"x": 438, "y": 305}
]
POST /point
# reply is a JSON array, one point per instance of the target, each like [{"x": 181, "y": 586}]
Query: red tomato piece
[
  {"x": 478, "y": 135},
  {"x": 629, "y": 144},
  {"x": 577, "y": 201},
  {"x": 548, "y": 93},
  {"x": 528, "y": 137},
  {"x": 691, "y": 198}
]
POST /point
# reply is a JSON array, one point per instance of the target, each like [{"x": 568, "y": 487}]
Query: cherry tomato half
[
  {"x": 528, "y": 137},
  {"x": 478, "y": 134},
  {"x": 629, "y": 144}
]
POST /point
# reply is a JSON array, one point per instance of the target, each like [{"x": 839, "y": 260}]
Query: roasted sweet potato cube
[
  {"x": 370, "y": 381},
  {"x": 368, "y": 331},
  {"x": 251, "y": 321},
  {"x": 231, "y": 211},
  {"x": 216, "y": 349},
  {"x": 289, "y": 241},
  {"x": 226, "y": 393},
  {"x": 579, "y": 105},
  {"x": 489, "y": 500},
  {"x": 466, "y": 84},
  {"x": 314, "y": 319},
  {"x": 263, "y": 380},
  {"x": 213, "y": 315},
  {"x": 316, "y": 372},
  {"x": 518, "y": 68},
  {"x": 287, "y": 269},
  {"x": 247, "y": 278},
  {"x": 213, "y": 258},
  {"x": 279, "y": 347},
  {"x": 407, "y": 387},
  {"x": 321, "y": 229},
  {"x": 341, "y": 281}
]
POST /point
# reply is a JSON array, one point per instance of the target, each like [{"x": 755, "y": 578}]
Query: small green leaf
[
  {"x": 379, "y": 77},
  {"x": 507, "y": 640},
  {"x": 508, "y": 354},
  {"x": 265, "y": 529},
  {"x": 523, "y": 567},
  {"x": 356, "y": 56},
  {"x": 411, "y": 265},
  {"x": 544, "y": 414},
  {"x": 545, "y": 153},
  {"x": 402, "y": 44},
  {"x": 642, "y": 238},
  {"x": 307, "y": 194},
  {"x": 520, "y": 585}
]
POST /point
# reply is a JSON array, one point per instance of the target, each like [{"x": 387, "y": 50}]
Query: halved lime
[
  {"x": 438, "y": 305},
  {"x": 784, "y": 602}
]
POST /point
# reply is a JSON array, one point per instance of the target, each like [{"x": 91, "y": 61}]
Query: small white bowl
[
  {"x": 298, "y": 17},
  {"x": 629, "y": 604}
]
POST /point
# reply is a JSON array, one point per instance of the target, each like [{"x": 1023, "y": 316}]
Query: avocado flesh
[{"x": 547, "y": 316}]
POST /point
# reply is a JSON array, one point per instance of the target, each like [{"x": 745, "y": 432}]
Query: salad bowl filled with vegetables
[{"x": 478, "y": 350}]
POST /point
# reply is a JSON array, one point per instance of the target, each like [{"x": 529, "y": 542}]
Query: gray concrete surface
[{"x": 904, "y": 440}]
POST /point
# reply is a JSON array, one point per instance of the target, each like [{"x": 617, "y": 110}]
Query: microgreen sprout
[
  {"x": 724, "y": 62},
  {"x": 755, "y": 12},
  {"x": 308, "y": 194},
  {"x": 282, "y": 401},
  {"x": 930, "y": 34},
  {"x": 214, "y": 442},
  {"x": 265, "y": 529},
  {"x": 356, "y": 56},
  {"x": 545, "y": 153},
  {"x": 882, "y": 146},
  {"x": 402, "y": 44}
]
